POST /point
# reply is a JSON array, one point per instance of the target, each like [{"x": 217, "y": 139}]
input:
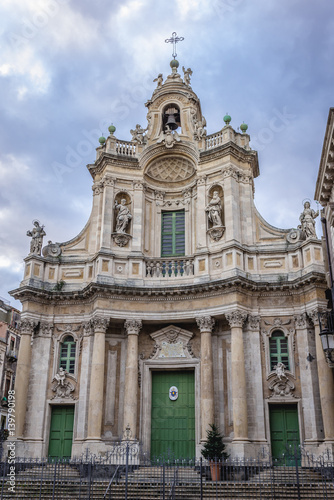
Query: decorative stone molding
[
  {"x": 295, "y": 235},
  {"x": 231, "y": 172},
  {"x": 216, "y": 233},
  {"x": 97, "y": 188},
  {"x": 277, "y": 322},
  {"x": 301, "y": 320},
  {"x": 133, "y": 326},
  {"x": 205, "y": 323},
  {"x": 27, "y": 327},
  {"x": 121, "y": 239},
  {"x": 63, "y": 388},
  {"x": 159, "y": 197},
  {"x": 171, "y": 342},
  {"x": 51, "y": 250},
  {"x": 254, "y": 322},
  {"x": 201, "y": 181},
  {"x": 108, "y": 181},
  {"x": 236, "y": 318},
  {"x": 313, "y": 315},
  {"x": 46, "y": 329},
  {"x": 280, "y": 382}
]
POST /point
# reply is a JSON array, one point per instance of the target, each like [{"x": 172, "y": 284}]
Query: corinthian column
[
  {"x": 132, "y": 327},
  {"x": 26, "y": 328},
  {"x": 206, "y": 324},
  {"x": 238, "y": 376},
  {"x": 326, "y": 383},
  {"x": 95, "y": 406}
]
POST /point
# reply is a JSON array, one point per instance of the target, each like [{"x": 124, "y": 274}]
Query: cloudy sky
[{"x": 68, "y": 68}]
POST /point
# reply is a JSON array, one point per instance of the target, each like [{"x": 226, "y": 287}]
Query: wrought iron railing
[{"x": 135, "y": 476}]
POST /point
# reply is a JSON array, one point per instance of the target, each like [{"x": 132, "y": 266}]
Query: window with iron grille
[
  {"x": 279, "y": 352},
  {"x": 67, "y": 354},
  {"x": 172, "y": 234}
]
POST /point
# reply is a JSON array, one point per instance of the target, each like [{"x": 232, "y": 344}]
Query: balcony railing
[
  {"x": 11, "y": 354},
  {"x": 170, "y": 268}
]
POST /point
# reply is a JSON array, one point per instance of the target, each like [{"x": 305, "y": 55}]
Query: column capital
[
  {"x": 99, "y": 324},
  {"x": 27, "y": 326},
  {"x": 205, "y": 323},
  {"x": 46, "y": 329},
  {"x": 301, "y": 320},
  {"x": 236, "y": 318},
  {"x": 254, "y": 321},
  {"x": 132, "y": 326},
  {"x": 313, "y": 315}
]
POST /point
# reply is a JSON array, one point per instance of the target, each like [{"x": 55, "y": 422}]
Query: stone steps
[{"x": 227, "y": 490}]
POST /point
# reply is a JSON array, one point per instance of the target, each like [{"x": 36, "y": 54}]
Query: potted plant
[{"x": 214, "y": 451}]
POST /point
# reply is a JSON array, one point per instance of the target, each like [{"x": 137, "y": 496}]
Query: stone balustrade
[
  {"x": 125, "y": 148},
  {"x": 169, "y": 268}
]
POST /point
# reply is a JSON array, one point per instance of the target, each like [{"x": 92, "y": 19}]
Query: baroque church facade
[{"x": 177, "y": 306}]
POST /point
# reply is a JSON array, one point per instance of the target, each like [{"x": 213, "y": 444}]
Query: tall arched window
[
  {"x": 67, "y": 354},
  {"x": 279, "y": 352}
]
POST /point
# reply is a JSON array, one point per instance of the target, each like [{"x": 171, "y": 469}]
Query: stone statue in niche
[
  {"x": 214, "y": 210},
  {"x": 307, "y": 220},
  {"x": 36, "y": 234},
  {"x": 123, "y": 217},
  {"x": 280, "y": 371},
  {"x": 138, "y": 134}
]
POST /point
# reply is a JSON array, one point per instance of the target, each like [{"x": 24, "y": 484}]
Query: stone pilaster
[
  {"x": 231, "y": 204},
  {"x": 307, "y": 378},
  {"x": 26, "y": 328},
  {"x": 326, "y": 382},
  {"x": 201, "y": 225},
  {"x": 138, "y": 204},
  {"x": 95, "y": 406},
  {"x": 107, "y": 211},
  {"x": 255, "y": 410},
  {"x": 132, "y": 327},
  {"x": 236, "y": 320},
  {"x": 205, "y": 325}
]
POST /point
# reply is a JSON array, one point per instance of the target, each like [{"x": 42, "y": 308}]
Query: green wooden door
[
  {"x": 61, "y": 431},
  {"x": 173, "y": 422},
  {"x": 284, "y": 431}
]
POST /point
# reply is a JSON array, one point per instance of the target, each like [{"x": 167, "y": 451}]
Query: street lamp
[{"x": 327, "y": 337}]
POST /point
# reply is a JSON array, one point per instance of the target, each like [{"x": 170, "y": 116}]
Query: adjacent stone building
[
  {"x": 176, "y": 306},
  {"x": 9, "y": 348}
]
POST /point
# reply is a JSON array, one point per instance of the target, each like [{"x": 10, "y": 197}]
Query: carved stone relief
[
  {"x": 63, "y": 387},
  {"x": 172, "y": 342},
  {"x": 173, "y": 169}
]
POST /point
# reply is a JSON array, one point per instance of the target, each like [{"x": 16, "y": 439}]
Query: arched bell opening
[{"x": 171, "y": 119}]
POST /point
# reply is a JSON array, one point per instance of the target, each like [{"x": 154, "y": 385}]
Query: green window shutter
[
  {"x": 173, "y": 234},
  {"x": 67, "y": 354},
  {"x": 279, "y": 352}
]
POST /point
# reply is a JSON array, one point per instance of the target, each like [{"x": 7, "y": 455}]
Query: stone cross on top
[{"x": 174, "y": 39}]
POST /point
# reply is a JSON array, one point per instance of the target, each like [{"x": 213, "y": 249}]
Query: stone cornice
[
  {"x": 172, "y": 292},
  {"x": 326, "y": 169},
  {"x": 112, "y": 159},
  {"x": 230, "y": 148}
]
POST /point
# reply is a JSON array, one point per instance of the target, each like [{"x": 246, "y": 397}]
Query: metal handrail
[
  {"x": 111, "y": 481},
  {"x": 171, "y": 494}
]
